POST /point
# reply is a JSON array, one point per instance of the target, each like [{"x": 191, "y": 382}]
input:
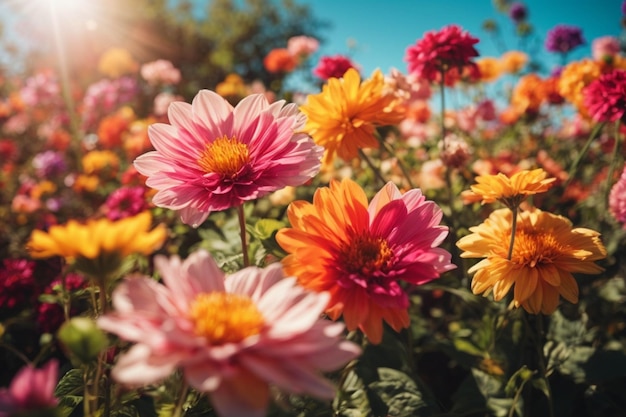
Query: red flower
[
  {"x": 450, "y": 49},
  {"x": 605, "y": 98},
  {"x": 333, "y": 67},
  {"x": 17, "y": 282}
]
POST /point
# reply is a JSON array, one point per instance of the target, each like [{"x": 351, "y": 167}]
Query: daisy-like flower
[
  {"x": 213, "y": 156},
  {"x": 232, "y": 337},
  {"x": 510, "y": 191},
  {"x": 343, "y": 117},
  {"x": 546, "y": 253},
  {"x": 362, "y": 252},
  {"x": 97, "y": 247},
  {"x": 450, "y": 49}
]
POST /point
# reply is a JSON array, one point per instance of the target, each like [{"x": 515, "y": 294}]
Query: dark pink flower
[
  {"x": 518, "y": 12},
  {"x": 31, "y": 390},
  {"x": 17, "y": 282},
  {"x": 450, "y": 49},
  {"x": 333, "y": 67},
  {"x": 125, "y": 202},
  {"x": 50, "y": 316},
  {"x": 605, "y": 98}
]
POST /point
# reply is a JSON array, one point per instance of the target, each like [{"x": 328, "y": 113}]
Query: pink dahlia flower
[
  {"x": 31, "y": 390},
  {"x": 617, "y": 199},
  {"x": 231, "y": 336},
  {"x": 213, "y": 156},
  {"x": 450, "y": 49},
  {"x": 605, "y": 98},
  {"x": 160, "y": 71}
]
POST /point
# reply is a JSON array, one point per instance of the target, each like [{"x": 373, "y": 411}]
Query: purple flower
[
  {"x": 31, "y": 390},
  {"x": 518, "y": 12},
  {"x": 48, "y": 164},
  {"x": 624, "y": 8},
  {"x": 125, "y": 202},
  {"x": 564, "y": 38}
]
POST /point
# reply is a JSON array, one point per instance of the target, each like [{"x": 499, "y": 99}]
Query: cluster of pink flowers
[
  {"x": 160, "y": 72},
  {"x": 104, "y": 96}
]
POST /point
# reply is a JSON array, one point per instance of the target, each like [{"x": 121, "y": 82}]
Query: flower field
[{"x": 445, "y": 239}]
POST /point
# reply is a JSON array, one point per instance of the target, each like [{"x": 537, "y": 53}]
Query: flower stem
[
  {"x": 373, "y": 167},
  {"x": 244, "y": 242},
  {"x": 182, "y": 396},
  {"x": 403, "y": 168},
  {"x": 513, "y": 230},
  {"x": 572, "y": 172}
]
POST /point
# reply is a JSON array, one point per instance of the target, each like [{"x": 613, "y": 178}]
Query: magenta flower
[
  {"x": 449, "y": 50},
  {"x": 333, "y": 67},
  {"x": 125, "y": 202},
  {"x": 231, "y": 336},
  {"x": 617, "y": 199},
  {"x": 605, "y": 97},
  {"x": 213, "y": 156},
  {"x": 17, "y": 282},
  {"x": 564, "y": 38},
  {"x": 31, "y": 390}
]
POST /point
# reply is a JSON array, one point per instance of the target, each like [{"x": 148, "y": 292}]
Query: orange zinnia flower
[
  {"x": 360, "y": 253},
  {"x": 343, "y": 117},
  {"x": 510, "y": 191},
  {"x": 545, "y": 254}
]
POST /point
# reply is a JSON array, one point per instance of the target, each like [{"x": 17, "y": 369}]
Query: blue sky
[{"x": 382, "y": 30}]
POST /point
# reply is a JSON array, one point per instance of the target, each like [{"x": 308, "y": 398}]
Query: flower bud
[{"x": 82, "y": 338}]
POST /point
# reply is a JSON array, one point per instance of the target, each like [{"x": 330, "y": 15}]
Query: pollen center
[
  {"x": 224, "y": 156},
  {"x": 366, "y": 254},
  {"x": 531, "y": 249},
  {"x": 225, "y": 318}
]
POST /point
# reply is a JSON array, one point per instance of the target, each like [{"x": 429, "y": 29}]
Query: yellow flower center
[
  {"x": 224, "y": 156},
  {"x": 366, "y": 254},
  {"x": 532, "y": 249},
  {"x": 225, "y": 318}
]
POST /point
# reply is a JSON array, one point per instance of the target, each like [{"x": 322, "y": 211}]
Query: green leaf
[
  {"x": 70, "y": 384},
  {"x": 401, "y": 394}
]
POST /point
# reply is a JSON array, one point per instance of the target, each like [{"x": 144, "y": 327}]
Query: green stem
[
  {"x": 373, "y": 167},
  {"x": 182, "y": 396},
  {"x": 513, "y": 230},
  {"x": 403, "y": 168},
  {"x": 572, "y": 172},
  {"x": 542, "y": 363},
  {"x": 244, "y": 241}
]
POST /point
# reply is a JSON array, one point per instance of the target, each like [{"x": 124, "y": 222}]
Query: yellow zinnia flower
[
  {"x": 342, "y": 118},
  {"x": 545, "y": 254},
  {"x": 97, "y": 247},
  {"x": 510, "y": 191}
]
